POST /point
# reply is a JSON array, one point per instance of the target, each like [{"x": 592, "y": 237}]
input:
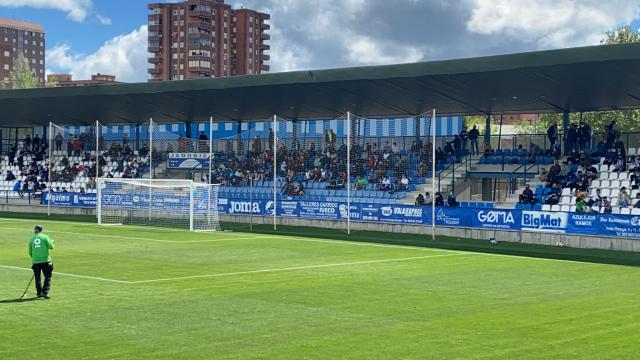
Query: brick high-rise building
[
  {"x": 206, "y": 38},
  {"x": 21, "y": 37}
]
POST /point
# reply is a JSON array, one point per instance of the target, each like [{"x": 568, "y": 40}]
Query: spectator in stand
[
  {"x": 606, "y": 205},
  {"x": 362, "y": 183},
  {"x": 404, "y": 183},
  {"x": 59, "y": 139},
  {"x": 581, "y": 205},
  {"x": 552, "y": 133},
  {"x": 637, "y": 201},
  {"x": 26, "y": 143},
  {"x": 451, "y": 200},
  {"x": 473, "y": 138},
  {"x": 449, "y": 150},
  {"x": 35, "y": 143},
  {"x": 440, "y": 156},
  {"x": 419, "y": 200},
  {"x": 385, "y": 184},
  {"x": 10, "y": 176},
  {"x": 17, "y": 186},
  {"x": 464, "y": 137},
  {"x": 457, "y": 147},
  {"x": 584, "y": 135},
  {"x": 554, "y": 172},
  {"x": 571, "y": 139},
  {"x": 12, "y": 155},
  {"x": 623, "y": 197},
  {"x": 611, "y": 157},
  {"x": 534, "y": 151},
  {"x": 488, "y": 150},
  {"x": 555, "y": 150},
  {"x": 544, "y": 175},
  {"x": 427, "y": 199},
  {"x": 203, "y": 141},
  {"x": 596, "y": 199},
  {"x": 77, "y": 146},
  {"x": 527, "y": 196},
  {"x": 553, "y": 197},
  {"x": 439, "y": 199}
]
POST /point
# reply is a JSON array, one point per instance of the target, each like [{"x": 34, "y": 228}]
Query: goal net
[{"x": 166, "y": 203}]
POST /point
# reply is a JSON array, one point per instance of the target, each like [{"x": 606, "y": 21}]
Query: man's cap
[{"x": 37, "y": 228}]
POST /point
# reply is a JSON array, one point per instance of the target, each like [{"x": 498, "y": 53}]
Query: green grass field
[{"x": 138, "y": 293}]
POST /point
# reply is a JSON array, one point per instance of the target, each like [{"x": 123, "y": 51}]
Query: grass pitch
[{"x": 133, "y": 292}]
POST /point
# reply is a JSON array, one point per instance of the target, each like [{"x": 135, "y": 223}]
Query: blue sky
[{"x": 109, "y": 36}]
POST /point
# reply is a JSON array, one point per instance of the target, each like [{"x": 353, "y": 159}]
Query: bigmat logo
[{"x": 544, "y": 221}]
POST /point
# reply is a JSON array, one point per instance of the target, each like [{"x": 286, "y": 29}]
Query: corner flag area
[{"x": 140, "y": 292}]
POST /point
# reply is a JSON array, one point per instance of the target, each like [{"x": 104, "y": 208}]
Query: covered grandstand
[{"x": 364, "y": 139}]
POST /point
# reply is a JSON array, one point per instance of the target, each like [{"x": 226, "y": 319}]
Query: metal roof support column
[
  {"x": 487, "y": 130},
  {"x": 565, "y": 127}
]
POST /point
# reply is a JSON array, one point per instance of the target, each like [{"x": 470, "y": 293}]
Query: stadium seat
[
  {"x": 565, "y": 208},
  {"x": 635, "y": 211},
  {"x": 546, "y": 207},
  {"x": 555, "y": 207},
  {"x": 625, "y": 211}
]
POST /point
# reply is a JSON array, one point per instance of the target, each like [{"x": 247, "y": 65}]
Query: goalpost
[{"x": 166, "y": 203}]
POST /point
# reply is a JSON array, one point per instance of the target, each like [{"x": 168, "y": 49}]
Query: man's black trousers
[{"x": 47, "y": 270}]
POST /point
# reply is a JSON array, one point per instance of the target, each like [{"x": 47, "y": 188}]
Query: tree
[
  {"x": 22, "y": 77},
  {"x": 626, "y": 120},
  {"x": 480, "y": 123}
]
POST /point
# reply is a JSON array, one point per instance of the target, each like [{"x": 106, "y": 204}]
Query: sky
[{"x": 84, "y": 37}]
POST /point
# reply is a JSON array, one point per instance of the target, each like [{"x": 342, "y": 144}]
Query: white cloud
[
  {"x": 364, "y": 50},
  {"x": 550, "y": 23},
  {"x": 124, "y": 56},
  {"x": 76, "y": 10},
  {"x": 103, "y": 19}
]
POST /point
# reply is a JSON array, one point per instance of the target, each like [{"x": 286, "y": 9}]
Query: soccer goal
[{"x": 167, "y": 203}]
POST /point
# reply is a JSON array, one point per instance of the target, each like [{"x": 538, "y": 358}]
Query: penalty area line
[
  {"x": 295, "y": 268},
  {"x": 72, "y": 275}
]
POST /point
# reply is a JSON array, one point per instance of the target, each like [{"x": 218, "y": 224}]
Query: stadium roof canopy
[{"x": 577, "y": 79}]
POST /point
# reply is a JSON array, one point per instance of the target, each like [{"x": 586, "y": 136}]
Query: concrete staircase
[{"x": 446, "y": 183}]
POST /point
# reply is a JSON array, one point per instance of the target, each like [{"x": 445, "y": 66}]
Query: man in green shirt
[{"x": 39, "y": 247}]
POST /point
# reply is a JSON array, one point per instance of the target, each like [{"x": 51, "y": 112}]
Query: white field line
[
  {"x": 136, "y": 238},
  {"x": 71, "y": 275},
  {"x": 294, "y": 268},
  {"x": 357, "y": 243},
  {"x": 130, "y": 227}
]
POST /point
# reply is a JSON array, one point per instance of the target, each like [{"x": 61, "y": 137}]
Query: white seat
[
  {"x": 623, "y": 176},
  {"x": 634, "y": 193},
  {"x": 592, "y": 192},
  {"x": 565, "y": 200},
  {"x": 615, "y": 210},
  {"x": 547, "y": 207},
  {"x": 625, "y": 211},
  {"x": 625, "y": 183},
  {"x": 631, "y": 152},
  {"x": 603, "y": 175},
  {"x": 614, "y": 201},
  {"x": 566, "y": 192},
  {"x": 572, "y": 208},
  {"x": 635, "y": 211},
  {"x": 572, "y": 200},
  {"x": 613, "y": 176},
  {"x": 605, "y": 192},
  {"x": 615, "y": 193},
  {"x": 595, "y": 209},
  {"x": 615, "y": 184},
  {"x": 555, "y": 207},
  {"x": 595, "y": 184},
  {"x": 604, "y": 184},
  {"x": 565, "y": 208}
]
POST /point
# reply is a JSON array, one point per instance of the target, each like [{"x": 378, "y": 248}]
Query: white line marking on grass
[
  {"x": 294, "y": 268},
  {"x": 134, "y": 238},
  {"x": 71, "y": 275},
  {"x": 359, "y": 243}
]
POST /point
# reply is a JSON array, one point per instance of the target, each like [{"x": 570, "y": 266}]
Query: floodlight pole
[
  {"x": 348, "y": 172},
  {"x": 433, "y": 175},
  {"x": 275, "y": 171},
  {"x": 150, "y": 163},
  {"x": 49, "y": 193},
  {"x": 210, "y": 147},
  {"x": 97, "y": 163},
  {"x": 209, "y": 188}
]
